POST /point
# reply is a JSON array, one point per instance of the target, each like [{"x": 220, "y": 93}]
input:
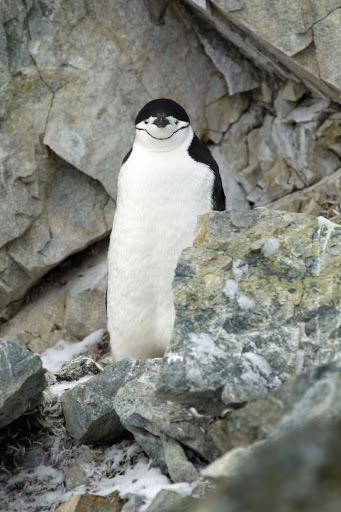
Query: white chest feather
[{"x": 160, "y": 195}]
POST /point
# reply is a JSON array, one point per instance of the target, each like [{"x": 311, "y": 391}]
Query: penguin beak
[{"x": 161, "y": 121}]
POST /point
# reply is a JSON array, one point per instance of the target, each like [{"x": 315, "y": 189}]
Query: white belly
[{"x": 157, "y": 208}]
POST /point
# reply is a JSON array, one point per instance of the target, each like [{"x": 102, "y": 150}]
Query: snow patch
[
  {"x": 53, "y": 358},
  {"x": 172, "y": 357},
  {"x": 270, "y": 246},
  {"x": 256, "y": 373},
  {"x": 239, "y": 269},
  {"x": 258, "y": 362},
  {"x": 60, "y": 387},
  {"x": 231, "y": 288},
  {"x": 205, "y": 348},
  {"x": 325, "y": 222},
  {"x": 245, "y": 303}
]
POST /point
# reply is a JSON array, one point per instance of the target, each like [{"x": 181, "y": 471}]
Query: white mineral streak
[{"x": 299, "y": 361}]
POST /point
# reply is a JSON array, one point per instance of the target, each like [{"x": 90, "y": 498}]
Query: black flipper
[
  {"x": 200, "y": 153},
  {"x": 127, "y": 156}
]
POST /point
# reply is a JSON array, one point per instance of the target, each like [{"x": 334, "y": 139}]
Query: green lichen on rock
[{"x": 257, "y": 298}]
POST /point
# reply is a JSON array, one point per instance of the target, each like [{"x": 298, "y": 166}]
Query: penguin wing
[
  {"x": 126, "y": 157},
  {"x": 200, "y": 153}
]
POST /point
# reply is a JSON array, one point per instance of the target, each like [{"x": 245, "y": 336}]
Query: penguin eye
[
  {"x": 145, "y": 122},
  {"x": 176, "y": 122}
]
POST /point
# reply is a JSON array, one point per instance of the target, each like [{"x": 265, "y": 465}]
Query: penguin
[{"x": 166, "y": 180}]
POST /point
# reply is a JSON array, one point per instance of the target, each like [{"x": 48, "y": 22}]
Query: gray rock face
[
  {"x": 72, "y": 307},
  {"x": 88, "y": 408},
  {"x": 312, "y": 395},
  {"x": 152, "y": 420},
  {"x": 257, "y": 299},
  {"x": 297, "y": 471},
  {"x": 21, "y": 381},
  {"x": 302, "y": 37},
  {"x": 68, "y": 85}
]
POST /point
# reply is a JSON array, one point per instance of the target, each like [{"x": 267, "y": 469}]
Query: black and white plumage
[{"x": 167, "y": 179}]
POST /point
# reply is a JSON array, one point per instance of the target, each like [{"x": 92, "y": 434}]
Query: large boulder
[
  {"x": 297, "y": 471},
  {"x": 258, "y": 298},
  {"x": 22, "y": 378},
  {"x": 310, "y": 396}
]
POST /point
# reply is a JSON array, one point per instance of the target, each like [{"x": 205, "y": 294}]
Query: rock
[
  {"x": 21, "y": 381},
  {"x": 169, "y": 501},
  {"x": 79, "y": 470},
  {"x": 133, "y": 504},
  {"x": 222, "y": 113},
  {"x": 85, "y": 310},
  {"x": 92, "y": 503},
  {"x": 151, "y": 420},
  {"x": 257, "y": 299},
  {"x": 240, "y": 75},
  {"x": 72, "y": 306},
  {"x": 313, "y": 200},
  {"x": 179, "y": 467},
  {"x": 88, "y": 408},
  {"x": 78, "y": 368},
  {"x": 299, "y": 43},
  {"x": 310, "y": 396},
  {"x": 295, "y": 472},
  {"x": 228, "y": 464},
  {"x": 327, "y": 41}
]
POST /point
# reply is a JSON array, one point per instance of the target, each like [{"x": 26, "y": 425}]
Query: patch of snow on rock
[
  {"x": 231, "y": 288},
  {"x": 239, "y": 269},
  {"x": 60, "y": 387},
  {"x": 245, "y": 303},
  {"x": 270, "y": 246},
  {"x": 53, "y": 358},
  {"x": 325, "y": 222},
  {"x": 204, "y": 347}
]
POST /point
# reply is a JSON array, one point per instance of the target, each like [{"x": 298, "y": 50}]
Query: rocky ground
[
  {"x": 248, "y": 391},
  {"x": 249, "y": 387}
]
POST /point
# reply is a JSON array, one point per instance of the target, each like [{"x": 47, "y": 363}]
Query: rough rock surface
[
  {"x": 72, "y": 79},
  {"x": 21, "y": 381},
  {"x": 71, "y": 306},
  {"x": 297, "y": 471},
  {"x": 300, "y": 38},
  {"x": 93, "y": 503},
  {"x": 257, "y": 299},
  {"x": 313, "y": 394},
  {"x": 88, "y": 407},
  {"x": 152, "y": 420},
  {"x": 78, "y": 368}
]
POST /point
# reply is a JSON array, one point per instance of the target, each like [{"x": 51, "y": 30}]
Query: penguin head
[{"x": 162, "y": 125}]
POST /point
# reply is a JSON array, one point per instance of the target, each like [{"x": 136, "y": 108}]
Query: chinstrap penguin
[{"x": 167, "y": 179}]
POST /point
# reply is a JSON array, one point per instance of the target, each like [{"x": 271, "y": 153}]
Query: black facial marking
[
  {"x": 164, "y": 107},
  {"x": 200, "y": 153},
  {"x": 161, "y": 121},
  {"x": 161, "y": 138}
]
